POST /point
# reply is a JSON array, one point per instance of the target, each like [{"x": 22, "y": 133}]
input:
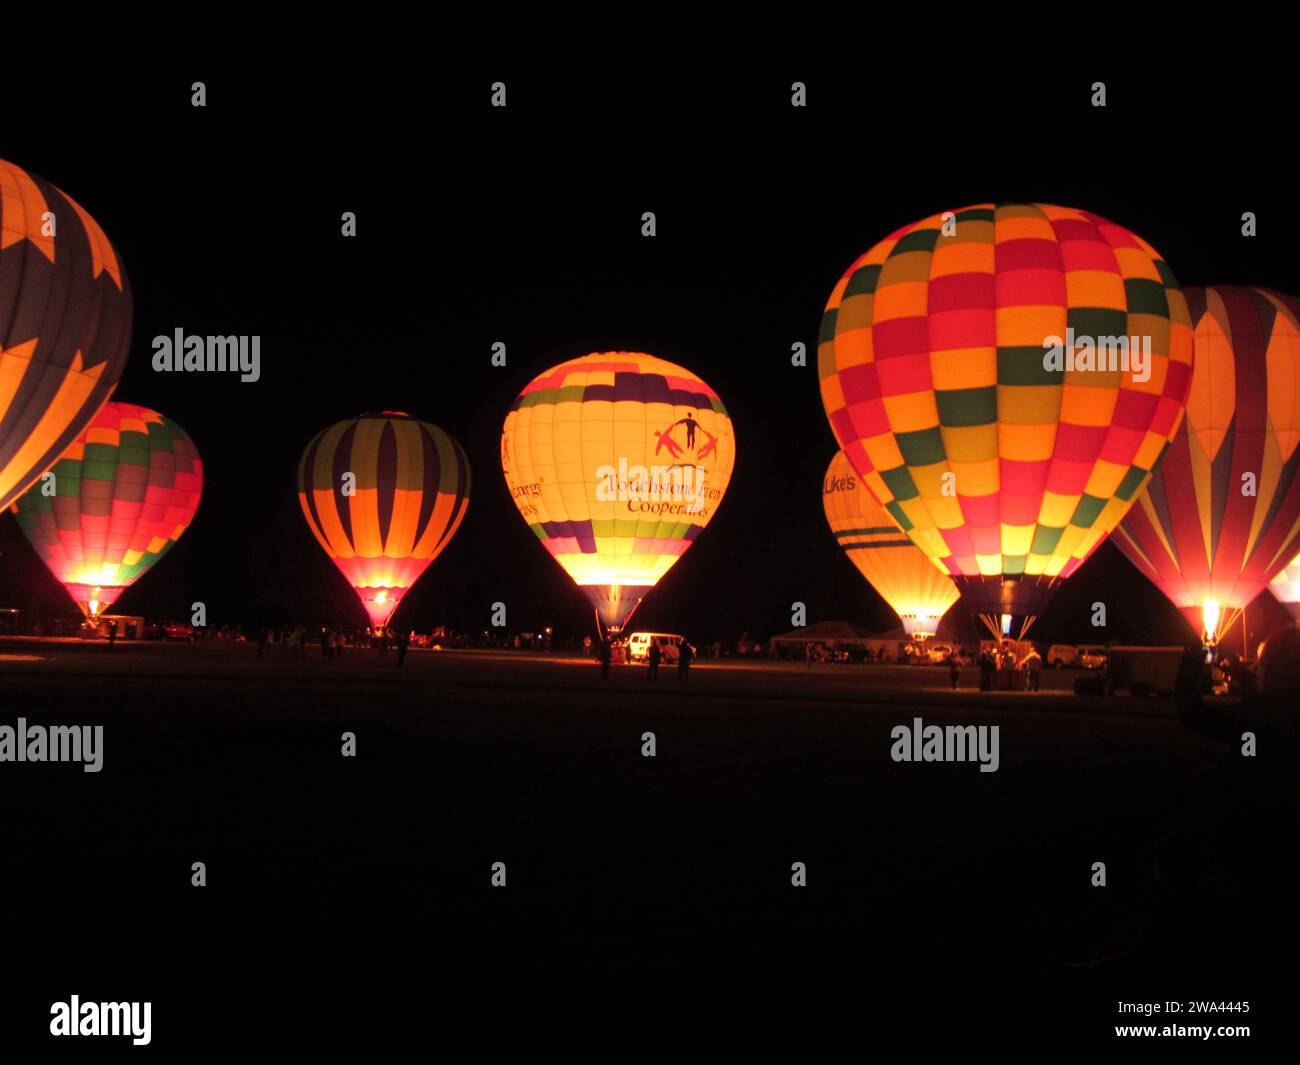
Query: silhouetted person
[
  {"x": 652, "y": 657},
  {"x": 325, "y": 650},
  {"x": 403, "y": 641},
  {"x": 606, "y": 654},
  {"x": 1033, "y": 666},
  {"x": 986, "y": 672},
  {"x": 383, "y": 643},
  {"x": 261, "y": 640},
  {"x": 112, "y": 634},
  {"x": 954, "y": 671},
  {"x": 1258, "y": 811},
  {"x": 684, "y": 655}
]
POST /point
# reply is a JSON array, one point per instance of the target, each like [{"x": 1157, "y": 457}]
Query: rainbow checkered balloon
[
  {"x": 1004, "y": 467},
  {"x": 119, "y": 498}
]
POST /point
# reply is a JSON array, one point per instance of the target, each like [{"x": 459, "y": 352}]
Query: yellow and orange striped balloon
[
  {"x": 917, "y": 590},
  {"x": 383, "y": 494}
]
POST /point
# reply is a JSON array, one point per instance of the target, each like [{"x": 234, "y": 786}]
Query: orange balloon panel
[
  {"x": 383, "y": 495},
  {"x": 918, "y": 591},
  {"x": 120, "y": 497},
  {"x": 617, "y": 461}
]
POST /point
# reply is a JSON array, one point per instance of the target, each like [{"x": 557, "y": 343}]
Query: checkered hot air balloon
[
  {"x": 617, "y": 461},
  {"x": 65, "y": 325},
  {"x": 914, "y": 587},
  {"x": 1221, "y": 517},
  {"x": 946, "y": 358},
  {"x": 383, "y": 495},
  {"x": 114, "y": 503},
  {"x": 1286, "y": 587}
]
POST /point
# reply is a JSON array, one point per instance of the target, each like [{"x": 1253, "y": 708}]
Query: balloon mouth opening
[
  {"x": 1211, "y": 615},
  {"x": 614, "y": 604},
  {"x": 380, "y": 603},
  {"x": 94, "y": 599}
]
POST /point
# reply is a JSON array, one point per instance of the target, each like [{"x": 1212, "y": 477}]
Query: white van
[
  {"x": 638, "y": 645},
  {"x": 1060, "y": 655}
]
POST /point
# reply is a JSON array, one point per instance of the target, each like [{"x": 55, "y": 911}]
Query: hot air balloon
[
  {"x": 1004, "y": 378},
  {"x": 117, "y": 500},
  {"x": 1221, "y": 517},
  {"x": 65, "y": 325},
  {"x": 617, "y": 461},
  {"x": 1286, "y": 587},
  {"x": 915, "y": 588},
  {"x": 383, "y": 494}
]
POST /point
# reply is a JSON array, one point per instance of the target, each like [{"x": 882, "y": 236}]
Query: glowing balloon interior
[
  {"x": 981, "y": 372},
  {"x": 383, "y": 494},
  {"x": 617, "y": 461},
  {"x": 915, "y": 588},
  {"x": 117, "y": 500},
  {"x": 1221, "y": 517}
]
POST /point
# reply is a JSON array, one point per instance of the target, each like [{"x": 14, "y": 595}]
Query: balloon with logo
[
  {"x": 914, "y": 587},
  {"x": 383, "y": 494},
  {"x": 113, "y": 504},
  {"x": 65, "y": 325},
  {"x": 1221, "y": 517},
  {"x": 617, "y": 461},
  {"x": 1004, "y": 378}
]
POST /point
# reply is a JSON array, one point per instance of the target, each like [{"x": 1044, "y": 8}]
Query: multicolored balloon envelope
[
  {"x": 383, "y": 494},
  {"x": 119, "y": 498},
  {"x": 1286, "y": 587},
  {"x": 617, "y": 461},
  {"x": 978, "y": 369},
  {"x": 1221, "y": 517},
  {"x": 915, "y": 588},
  {"x": 65, "y": 325}
]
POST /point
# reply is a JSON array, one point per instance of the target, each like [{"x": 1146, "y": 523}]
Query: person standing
[
  {"x": 403, "y": 641},
  {"x": 586, "y": 646},
  {"x": 653, "y": 656},
  {"x": 954, "y": 671},
  {"x": 606, "y": 654},
  {"x": 112, "y": 633},
  {"x": 1033, "y": 664},
  {"x": 684, "y": 655}
]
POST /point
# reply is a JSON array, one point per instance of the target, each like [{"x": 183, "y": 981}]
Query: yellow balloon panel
[{"x": 916, "y": 588}]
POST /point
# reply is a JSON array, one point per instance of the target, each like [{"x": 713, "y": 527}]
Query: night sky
[{"x": 522, "y": 226}]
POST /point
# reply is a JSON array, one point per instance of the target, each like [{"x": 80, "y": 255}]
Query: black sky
[{"x": 523, "y": 226}]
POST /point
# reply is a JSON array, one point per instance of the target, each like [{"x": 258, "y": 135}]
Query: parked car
[
  {"x": 1060, "y": 655},
  {"x": 178, "y": 630},
  {"x": 940, "y": 652},
  {"x": 638, "y": 645},
  {"x": 1092, "y": 657}
]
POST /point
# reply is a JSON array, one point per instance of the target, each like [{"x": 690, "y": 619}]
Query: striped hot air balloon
[
  {"x": 117, "y": 500},
  {"x": 1286, "y": 587},
  {"x": 65, "y": 325},
  {"x": 617, "y": 461},
  {"x": 914, "y": 587},
  {"x": 383, "y": 495},
  {"x": 1221, "y": 517},
  {"x": 959, "y": 370}
]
